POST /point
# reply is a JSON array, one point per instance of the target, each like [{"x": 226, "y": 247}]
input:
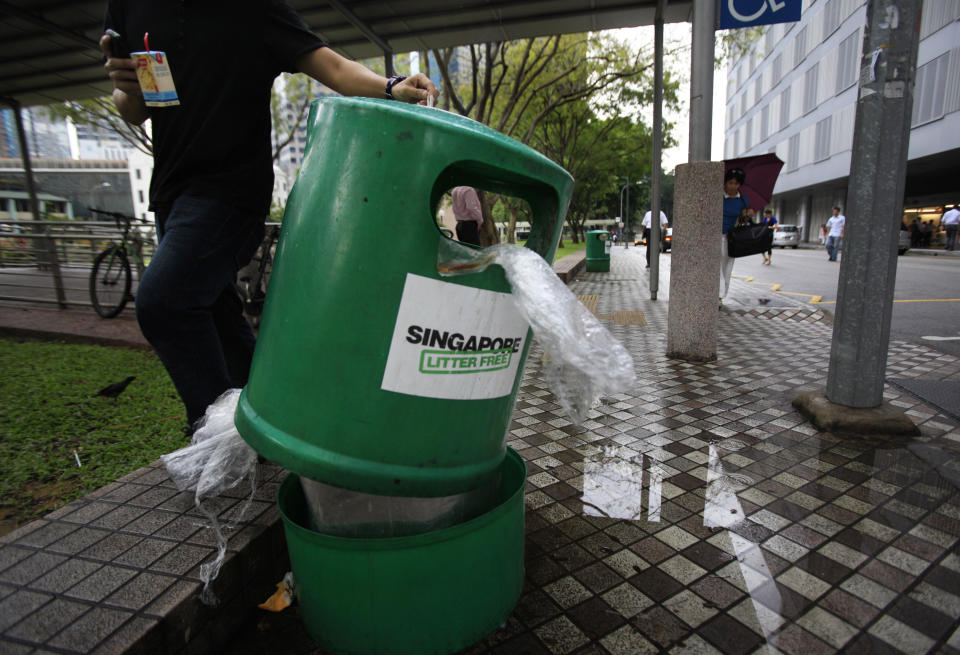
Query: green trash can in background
[
  {"x": 372, "y": 372},
  {"x": 598, "y": 259}
]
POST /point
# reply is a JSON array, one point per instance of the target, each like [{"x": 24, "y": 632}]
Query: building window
[
  {"x": 847, "y": 64},
  {"x": 810, "y": 79},
  {"x": 800, "y": 46},
  {"x": 821, "y": 148},
  {"x": 831, "y": 18},
  {"x": 765, "y": 122},
  {"x": 776, "y": 70},
  {"x": 140, "y": 194},
  {"x": 785, "y": 108},
  {"x": 758, "y": 90},
  {"x": 736, "y": 142},
  {"x": 137, "y": 171},
  {"x": 743, "y": 102},
  {"x": 748, "y": 136},
  {"x": 768, "y": 41},
  {"x": 929, "y": 90},
  {"x": 793, "y": 153}
]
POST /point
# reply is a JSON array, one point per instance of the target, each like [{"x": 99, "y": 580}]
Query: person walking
[
  {"x": 835, "y": 228},
  {"x": 647, "y": 225},
  {"x": 213, "y": 173},
  {"x": 469, "y": 214},
  {"x": 950, "y": 221},
  {"x": 916, "y": 232},
  {"x": 771, "y": 222},
  {"x": 926, "y": 233},
  {"x": 733, "y": 204}
]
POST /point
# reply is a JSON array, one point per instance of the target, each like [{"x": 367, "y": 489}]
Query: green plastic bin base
[
  {"x": 598, "y": 265},
  {"x": 437, "y": 592}
]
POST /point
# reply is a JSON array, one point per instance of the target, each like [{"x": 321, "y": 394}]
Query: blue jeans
[
  {"x": 951, "y": 236},
  {"x": 833, "y": 247},
  {"x": 188, "y": 305}
]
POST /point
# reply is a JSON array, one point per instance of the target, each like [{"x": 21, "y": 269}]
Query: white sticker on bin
[{"x": 454, "y": 342}]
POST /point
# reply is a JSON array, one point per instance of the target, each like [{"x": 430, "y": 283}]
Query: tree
[
  {"x": 100, "y": 113},
  {"x": 564, "y": 95}
]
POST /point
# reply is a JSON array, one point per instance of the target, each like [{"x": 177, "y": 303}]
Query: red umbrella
[{"x": 760, "y": 175}]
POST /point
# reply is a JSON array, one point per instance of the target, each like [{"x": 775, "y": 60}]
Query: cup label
[
  {"x": 156, "y": 81},
  {"x": 454, "y": 342}
]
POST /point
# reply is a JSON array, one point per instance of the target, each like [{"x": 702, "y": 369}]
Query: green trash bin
[
  {"x": 598, "y": 259},
  {"x": 372, "y": 372},
  {"x": 426, "y": 594}
]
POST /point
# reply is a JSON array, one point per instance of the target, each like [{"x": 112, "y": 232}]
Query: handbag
[{"x": 749, "y": 240}]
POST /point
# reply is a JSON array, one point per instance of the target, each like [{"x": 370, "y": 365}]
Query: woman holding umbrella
[{"x": 733, "y": 205}]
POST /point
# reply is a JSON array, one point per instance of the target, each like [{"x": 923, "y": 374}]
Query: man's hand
[
  {"x": 123, "y": 72},
  {"x": 127, "y": 95},
  {"x": 415, "y": 89}
]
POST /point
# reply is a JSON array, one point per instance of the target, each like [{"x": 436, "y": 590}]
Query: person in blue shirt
[
  {"x": 733, "y": 204},
  {"x": 770, "y": 221}
]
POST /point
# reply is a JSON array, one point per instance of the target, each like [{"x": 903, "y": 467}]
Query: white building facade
[{"x": 795, "y": 95}]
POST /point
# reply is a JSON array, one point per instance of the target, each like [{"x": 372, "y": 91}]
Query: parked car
[
  {"x": 665, "y": 241},
  {"x": 786, "y": 236}
]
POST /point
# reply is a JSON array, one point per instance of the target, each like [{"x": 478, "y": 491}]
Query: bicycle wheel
[{"x": 110, "y": 282}]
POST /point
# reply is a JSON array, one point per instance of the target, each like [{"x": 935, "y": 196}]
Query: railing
[{"x": 50, "y": 261}]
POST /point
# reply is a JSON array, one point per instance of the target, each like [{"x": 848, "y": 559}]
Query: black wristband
[{"x": 390, "y": 84}]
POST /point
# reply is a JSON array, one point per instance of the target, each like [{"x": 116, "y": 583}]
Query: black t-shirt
[{"x": 223, "y": 57}]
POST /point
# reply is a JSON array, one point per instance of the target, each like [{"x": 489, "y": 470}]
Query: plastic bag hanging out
[
  {"x": 584, "y": 361},
  {"x": 217, "y": 459}
]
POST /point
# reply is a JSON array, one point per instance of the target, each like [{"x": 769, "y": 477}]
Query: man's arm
[
  {"x": 126, "y": 89},
  {"x": 349, "y": 78}
]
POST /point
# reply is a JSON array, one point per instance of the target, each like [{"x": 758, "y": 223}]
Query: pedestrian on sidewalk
[
  {"x": 469, "y": 214},
  {"x": 771, "y": 222},
  {"x": 733, "y": 204},
  {"x": 647, "y": 225},
  {"x": 213, "y": 172},
  {"x": 950, "y": 221},
  {"x": 916, "y": 232},
  {"x": 926, "y": 233},
  {"x": 835, "y": 229}
]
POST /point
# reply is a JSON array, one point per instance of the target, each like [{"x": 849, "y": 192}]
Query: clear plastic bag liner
[
  {"x": 346, "y": 513},
  {"x": 583, "y": 361},
  {"x": 217, "y": 459}
]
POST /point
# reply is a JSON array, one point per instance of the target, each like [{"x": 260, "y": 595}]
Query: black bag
[{"x": 749, "y": 240}]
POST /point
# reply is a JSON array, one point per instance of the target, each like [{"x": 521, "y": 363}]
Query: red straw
[{"x": 146, "y": 42}]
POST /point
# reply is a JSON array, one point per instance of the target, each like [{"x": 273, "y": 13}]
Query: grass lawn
[
  {"x": 49, "y": 417},
  {"x": 569, "y": 247}
]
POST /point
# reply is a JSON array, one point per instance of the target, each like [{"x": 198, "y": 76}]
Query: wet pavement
[{"x": 699, "y": 513}]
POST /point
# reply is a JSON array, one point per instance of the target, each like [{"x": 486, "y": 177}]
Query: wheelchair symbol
[{"x": 774, "y": 6}]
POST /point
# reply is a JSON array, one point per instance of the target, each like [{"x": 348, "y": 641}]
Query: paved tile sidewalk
[
  {"x": 693, "y": 513},
  {"x": 698, "y": 513}
]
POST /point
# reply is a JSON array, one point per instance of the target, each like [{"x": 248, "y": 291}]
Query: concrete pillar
[
  {"x": 868, "y": 270},
  {"x": 695, "y": 262}
]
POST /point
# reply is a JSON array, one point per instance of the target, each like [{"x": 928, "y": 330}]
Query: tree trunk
[
  {"x": 512, "y": 225},
  {"x": 488, "y": 231}
]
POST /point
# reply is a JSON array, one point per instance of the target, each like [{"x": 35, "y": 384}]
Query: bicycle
[
  {"x": 111, "y": 278},
  {"x": 254, "y": 278}
]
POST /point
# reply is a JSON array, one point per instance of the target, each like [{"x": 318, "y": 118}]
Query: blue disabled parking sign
[{"x": 746, "y": 13}]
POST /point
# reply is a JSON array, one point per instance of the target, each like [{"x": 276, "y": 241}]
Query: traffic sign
[{"x": 747, "y": 13}]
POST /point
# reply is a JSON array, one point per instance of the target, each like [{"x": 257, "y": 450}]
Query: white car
[{"x": 786, "y": 236}]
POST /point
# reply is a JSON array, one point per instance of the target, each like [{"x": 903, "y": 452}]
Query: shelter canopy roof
[{"x": 48, "y": 48}]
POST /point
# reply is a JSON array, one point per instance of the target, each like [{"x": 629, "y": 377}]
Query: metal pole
[
  {"x": 861, "y": 331},
  {"x": 653, "y": 246},
  {"x": 626, "y": 218},
  {"x": 701, "y": 79},
  {"x": 50, "y": 250},
  {"x": 388, "y": 63}
]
